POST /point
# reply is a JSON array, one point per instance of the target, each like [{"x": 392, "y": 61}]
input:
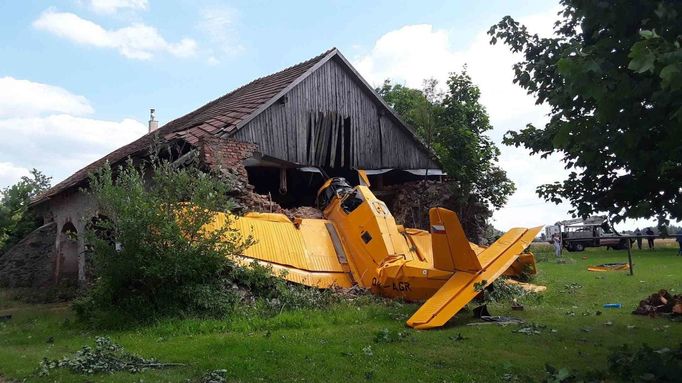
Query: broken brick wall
[{"x": 227, "y": 156}]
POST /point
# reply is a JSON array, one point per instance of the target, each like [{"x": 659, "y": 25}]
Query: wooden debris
[{"x": 661, "y": 302}]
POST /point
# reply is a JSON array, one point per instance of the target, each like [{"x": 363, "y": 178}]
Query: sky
[{"x": 77, "y": 77}]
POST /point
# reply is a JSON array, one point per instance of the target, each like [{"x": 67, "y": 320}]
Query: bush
[
  {"x": 150, "y": 251},
  {"x": 153, "y": 257}
]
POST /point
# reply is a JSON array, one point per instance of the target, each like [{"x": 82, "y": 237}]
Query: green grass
[{"x": 337, "y": 344}]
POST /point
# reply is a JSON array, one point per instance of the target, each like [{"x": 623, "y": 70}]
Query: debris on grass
[
  {"x": 458, "y": 337},
  {"x": 661, "y": 302},
  {"x": 496, "y": 319},
  {"x": 215, "y": 376},
  {"x": 388, "y": 336},
  {"x": 516, "y": 306},
  {"x": 507, "y": 290},
  {"x": 531, "y": 329},
  {"x": 527, "y": 287},
  {"x": 618, "y": 266},
  {"x": 571, "y": 288},
  {"x": 105, "y": 357}
]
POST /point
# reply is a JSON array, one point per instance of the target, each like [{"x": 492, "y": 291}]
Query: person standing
[
  {"x": 557, "y": 245},
  {"x": 638, "y": 233},
  {"x": 650, "y": 238},
  {"x": 679, "y": 242}
]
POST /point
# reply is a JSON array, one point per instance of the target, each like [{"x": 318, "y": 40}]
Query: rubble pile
[
  {"x": 661, "y": 302},
  {"x": 351, "y": 293},
  {"x": 303, "y": 212},
  {"x": 250, "y": 201}
]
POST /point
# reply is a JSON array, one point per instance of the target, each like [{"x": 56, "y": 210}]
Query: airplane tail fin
[
  {"x": 451, "y": 249},
  {"x": 461, "y": 288}
]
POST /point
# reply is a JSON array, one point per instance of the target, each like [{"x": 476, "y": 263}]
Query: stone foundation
[{"x": 30, "y": 262}]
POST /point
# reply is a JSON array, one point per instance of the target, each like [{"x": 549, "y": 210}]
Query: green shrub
[
  {"x": 150, "y": 252},
  {"x": 152, "y": 257}
]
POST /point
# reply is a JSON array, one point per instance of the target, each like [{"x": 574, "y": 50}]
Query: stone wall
[
  {"x": 29, "y": 263},
  {"x": 71, "y": 211}
]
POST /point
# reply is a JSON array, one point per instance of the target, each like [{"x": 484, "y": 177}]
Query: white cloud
[
  {"x": 412, "y": 53},
  {"x": 10, "y": 173},
  {"x": 61, "y": 144},
  {"x": 219, "y": 24},
  {"x": 41, "y": 128},
  {"x": 137, "y": 41},
  {"x": 26, "y": 98},
  {"x": 113, "y": 6}
]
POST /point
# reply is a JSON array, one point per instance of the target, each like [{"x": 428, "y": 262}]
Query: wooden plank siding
[{"x": 314, "y": 111}]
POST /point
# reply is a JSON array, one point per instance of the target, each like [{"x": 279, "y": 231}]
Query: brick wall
[{"x": 226, "y": 155}]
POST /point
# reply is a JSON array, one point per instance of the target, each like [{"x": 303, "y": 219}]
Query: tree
[
  {"x": 454, "y": 124},
  {"x": 612, "y": 76},
  {"x": 16, "y": 221}
]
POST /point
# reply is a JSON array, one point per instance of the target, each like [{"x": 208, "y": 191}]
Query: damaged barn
[{"x": 278, "y": 137}]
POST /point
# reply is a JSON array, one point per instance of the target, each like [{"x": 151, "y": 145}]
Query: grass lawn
[{"x": 337, "y": 344}]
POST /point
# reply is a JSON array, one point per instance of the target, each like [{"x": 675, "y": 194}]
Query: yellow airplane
[{"x": 359, "y": 242}]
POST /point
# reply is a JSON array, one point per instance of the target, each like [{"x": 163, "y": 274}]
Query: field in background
[{"x": 339, "y": 343}]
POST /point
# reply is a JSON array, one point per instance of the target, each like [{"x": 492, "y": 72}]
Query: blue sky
[
  {"x": 262, "y": 37},
  {"x": 77, "y": 77}
]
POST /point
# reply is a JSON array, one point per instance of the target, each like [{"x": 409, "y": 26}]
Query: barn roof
[{"x": 220, "y": 117}]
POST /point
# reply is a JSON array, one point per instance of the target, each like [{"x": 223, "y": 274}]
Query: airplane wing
[{"x": 308, "y": 252}]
